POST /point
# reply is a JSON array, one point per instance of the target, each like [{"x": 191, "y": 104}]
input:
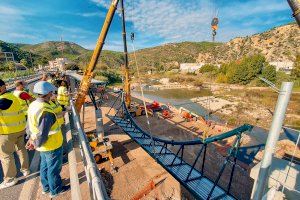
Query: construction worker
[
  {"x": 44, "y": 77},
  {"x": 12, "y": 131},
  {"x": 46, "y": 137},
  {"x": 62, "y": 95},
  {"x": 51, "y": 79},
  {"x": 23, "y": 96},
  {"x": 58, "y": 110}
]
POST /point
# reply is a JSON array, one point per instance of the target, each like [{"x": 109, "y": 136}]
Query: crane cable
[{"x": 142, "y": 91}]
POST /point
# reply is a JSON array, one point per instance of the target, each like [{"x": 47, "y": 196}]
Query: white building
[
  {"x": 58, "y": 63},
  {"x": 285, "y": 66},
  {"x": 190, "y": 67}
]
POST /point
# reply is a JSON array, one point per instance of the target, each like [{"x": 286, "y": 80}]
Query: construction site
[{"x": 122, "y": 145}]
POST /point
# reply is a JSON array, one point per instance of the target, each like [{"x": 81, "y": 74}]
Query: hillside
[
  {"x": 53, "y": 49},
  {"x": 278, "y": 44},
  {"x": 171, "y": 55},
  {"x": 22, "y": 54}
]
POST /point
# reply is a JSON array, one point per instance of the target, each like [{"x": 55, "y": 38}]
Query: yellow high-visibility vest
[
  {"x": 62, "y": 96},
  {"x": 13, "y": 119},
  {"x": 58, "y": 111},
  {"x": 24, "y": 104},
  {"x": 51, "y": 81},
  {"x": 55, "y": 138}
]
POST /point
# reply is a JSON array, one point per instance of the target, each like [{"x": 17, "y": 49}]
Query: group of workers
[{"x": 41, "y": 116}]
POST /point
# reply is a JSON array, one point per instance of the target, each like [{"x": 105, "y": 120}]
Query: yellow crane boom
[{"x": 87, "y": 76}]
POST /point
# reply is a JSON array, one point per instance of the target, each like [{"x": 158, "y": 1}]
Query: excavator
[{"x": 88, "y": 74}]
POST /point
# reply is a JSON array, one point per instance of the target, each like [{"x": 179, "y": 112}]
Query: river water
[{"x": 181, "y": 98}]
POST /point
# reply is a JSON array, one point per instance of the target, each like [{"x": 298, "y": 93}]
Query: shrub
[
  {"x": 222, "y": 78},
  {"x": 72, "y": 66},
  {"x": 269, "y": 73},
  {"x": 296, "y": 68},
  {"x": 208, "y": 68}
]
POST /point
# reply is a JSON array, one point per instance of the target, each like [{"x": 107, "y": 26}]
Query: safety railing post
[
  {"x": 91, "y": 169},
  {"x": 276, "y": 126}
]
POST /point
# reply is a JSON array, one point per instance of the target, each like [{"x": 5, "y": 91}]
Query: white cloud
[{"x": 174, "y": 21}]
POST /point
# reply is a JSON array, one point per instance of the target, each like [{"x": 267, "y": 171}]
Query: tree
[
  {"x": 269, "y": 73},
  {"x": 71, "y": 66},
  {"x": 24, "y": 62},
  {"x": 246, "y": 70},
  {"x": 296, "y": 68}
]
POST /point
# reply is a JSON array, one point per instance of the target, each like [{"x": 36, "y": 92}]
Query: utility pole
[{"x": 276, "y": 126}]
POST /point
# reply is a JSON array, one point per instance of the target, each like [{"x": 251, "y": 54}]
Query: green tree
[
  {"x": 296, "y": 68},
  {"x": 24, "y": 62},
  {"x": 269, "y": 73},
  {"x": 246, "y": 70}
]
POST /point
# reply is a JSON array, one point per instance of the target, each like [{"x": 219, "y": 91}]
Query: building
[
  {"x": 58, "y": 63},
  {"x": 285, "y": 66},
  {"x": 190, "y": 67},
  {"x": 193, "y": 67}
]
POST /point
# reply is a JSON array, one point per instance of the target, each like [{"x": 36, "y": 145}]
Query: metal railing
[
  {"x": 92, "y": 173},
  {"x": 74, "y": 180},
  {"x": 29, "y": 79}
]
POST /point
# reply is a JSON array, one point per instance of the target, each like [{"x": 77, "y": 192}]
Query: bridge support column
[{"x": 276, "y": 126}]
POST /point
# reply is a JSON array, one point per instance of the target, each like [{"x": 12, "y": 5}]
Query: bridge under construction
[{"x": 116, "y": 152}]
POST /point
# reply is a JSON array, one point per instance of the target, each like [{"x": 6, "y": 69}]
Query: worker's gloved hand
[{"x": 30, "y": 145}]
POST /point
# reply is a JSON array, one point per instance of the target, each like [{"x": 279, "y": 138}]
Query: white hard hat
[{"x": 43, "y": 88}]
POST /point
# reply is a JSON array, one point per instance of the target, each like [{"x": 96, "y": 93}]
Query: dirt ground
[{"x": 137, "y": 174}]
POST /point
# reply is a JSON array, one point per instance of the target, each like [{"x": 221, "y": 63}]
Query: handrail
[
  {"x": 74, "y": 181},
  {"x": 92, "y": 172},
  {"x": 32, "y": 78},
  {"x": 243, "y": 128}
]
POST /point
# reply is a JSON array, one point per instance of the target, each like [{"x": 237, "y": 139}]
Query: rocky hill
[
  {"x": 278, "y": 44},
  {"x": 172, "y": 54}
]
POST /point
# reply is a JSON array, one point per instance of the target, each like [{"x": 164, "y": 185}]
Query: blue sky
[{"x": 154, "y": 22}]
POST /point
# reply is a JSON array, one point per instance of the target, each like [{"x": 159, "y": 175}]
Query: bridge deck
[{"x": 197, "y": 184}]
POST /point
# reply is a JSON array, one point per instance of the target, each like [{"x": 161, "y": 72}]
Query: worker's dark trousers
[{"x": 50, "y": 168}]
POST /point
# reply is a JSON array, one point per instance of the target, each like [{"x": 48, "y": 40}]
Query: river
[{"x": 181, "y": 98}]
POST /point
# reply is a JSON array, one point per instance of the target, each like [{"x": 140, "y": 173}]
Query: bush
[
  {"x": 296, "y": 68},
  {"x": 111, "y": 76},
  {"x": 72, "y": 66},
  {"x": 198, "y": 83},
  {"x": 269, "y": 73},
  {"x": 244, "y": 71},
  {"x": 24, "y": 62},
  {"x": 222, "y": 78},
  {"x": 208, "y": 68}
]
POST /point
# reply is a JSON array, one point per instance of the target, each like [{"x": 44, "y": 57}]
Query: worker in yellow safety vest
[
  {"x": 12, "y": 131},
  {"x": 58, "y": 110},
  {"x": 62, "y": 95},
  {"x": 46, "y": 137},
  {"x": 51, "y": 79},
  {"x": 24, "y": 97}
]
